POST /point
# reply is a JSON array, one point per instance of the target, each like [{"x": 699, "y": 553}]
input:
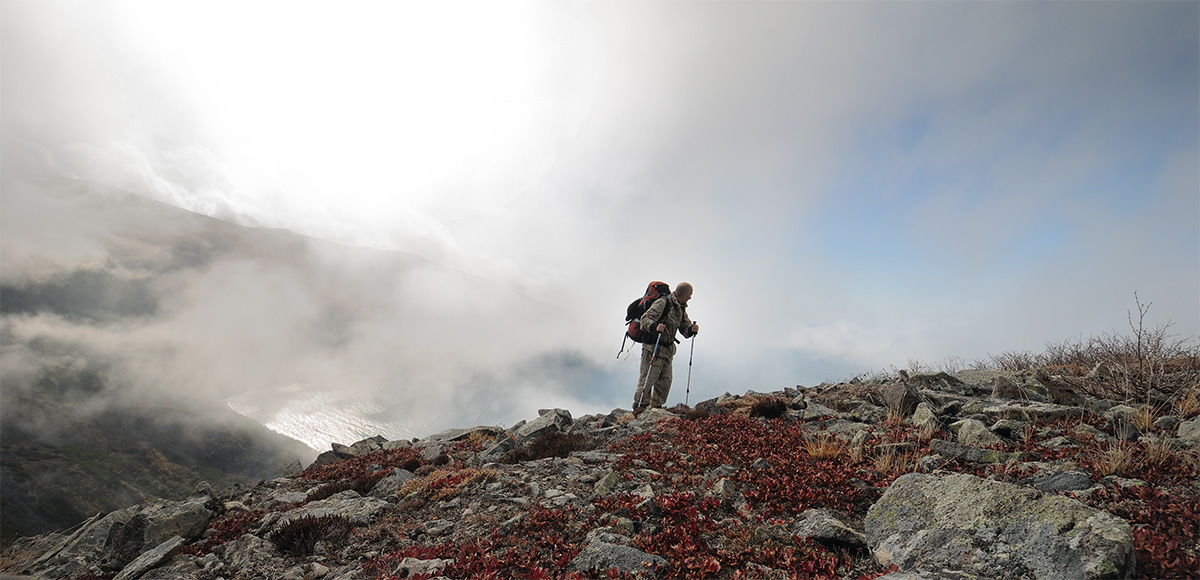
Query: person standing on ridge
[{"x": 666, "y": 316}]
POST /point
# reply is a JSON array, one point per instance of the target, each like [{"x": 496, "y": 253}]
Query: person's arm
[
  {"x": 686, "y": 326},
  {"x": 649, "y": 321}
]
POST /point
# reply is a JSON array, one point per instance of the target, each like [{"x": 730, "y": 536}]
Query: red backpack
[{"x": 637, "y": 308}]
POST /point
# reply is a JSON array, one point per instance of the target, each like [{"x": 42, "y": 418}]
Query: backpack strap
[{"x": 667, "y": 309}]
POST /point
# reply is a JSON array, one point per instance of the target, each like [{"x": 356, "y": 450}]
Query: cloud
[{"x": 848, "y": 186}]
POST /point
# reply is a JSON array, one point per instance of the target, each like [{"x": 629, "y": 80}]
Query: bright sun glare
[{"x": 362, "y": 118}]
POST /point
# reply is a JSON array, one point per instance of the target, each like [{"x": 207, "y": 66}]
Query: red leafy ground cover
[
  {"x": 355, "y": 467},
  {"x": 702, "y": 536},
  {"x": 777, "y": 473}
]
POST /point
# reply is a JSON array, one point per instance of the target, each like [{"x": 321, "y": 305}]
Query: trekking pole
[
  {"x": 689, "y": 381},
  {"x": 653, "y": 355}
]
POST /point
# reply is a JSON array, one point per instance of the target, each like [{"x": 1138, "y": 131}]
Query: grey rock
[
  {"x": 1124, "y": 430},
  {"x": 242, "y": 552},
  {"x": 900, "y": 397},
  {"x": 971, "y": 454},
  {"x": 398, "y": 444},
  {"x": 178, "y": 567},
  {"x": 479, "y": 431},
  {"x": 1057, "y": 481},
  {"x": 114, "y": 540},
  {"x": 866, "y": 412},
  {"x": 293, "y": 469},
  {"x": 651, "y": 416},
  {"x": 410, "y": 567},
  {"x": 1058, "y": 442},
  {"x": 975, "y": 433},
  {"x": 152, "y": 558},
  {"x": 606, "y": 483},
  {"x": 369, "y": 445},
  {"x": 438, "y": 528},
  {"x": 1189, "y": 430},
  {"x": 724, "y": 489},
  {"x": 389, "y": 486},
  {"x": 820, "y": 525},
  {"x": 1005, "y": 388},
  {"x": 1008, "y": 427},
  {"x": 1167, "y": 422},
  {"x": 330, "y": 457},
  {"x": 997, "y": 530},
  {"x": 1089, "y": 430},
  {"x": 599, "y": 555},
  {"x": 187, "y": 519},
  {"x": 1061, "y": 390},
  {"x": 431, "y": 450},
  {"x": 1018, "y": 410},
  {"x": 553, "y": 420},
  {"x": 282, "y": 497},
  {"x": 1121, "y": 411},
  {"x": 925, "y": 417},
  {"x": 359, "y": 510},
  {"x": 940, "y": 381}
]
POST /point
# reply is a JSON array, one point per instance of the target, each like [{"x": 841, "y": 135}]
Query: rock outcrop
[
  {"x": 995, "y": 530},
  {"x": 959, "y": 481}
]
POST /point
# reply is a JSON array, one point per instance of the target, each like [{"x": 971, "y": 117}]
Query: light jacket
[{"x": 676, "y": 320}]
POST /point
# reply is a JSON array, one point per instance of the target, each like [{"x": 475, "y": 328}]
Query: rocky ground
[{"x": 974, "y": 475}]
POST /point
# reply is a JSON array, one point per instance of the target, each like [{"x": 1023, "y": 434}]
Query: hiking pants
[{"x": 654, "y": 381}]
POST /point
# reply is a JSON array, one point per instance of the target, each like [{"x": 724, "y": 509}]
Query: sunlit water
[{"x": 318, "y": 416}]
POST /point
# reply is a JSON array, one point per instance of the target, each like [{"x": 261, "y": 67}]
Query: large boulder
[
  {"x": 604, "y": 556},
  {"x": 1006, "y": 388},
  {"x": 107, "y": 543},
  {"x": 975, "y": 433},
  {"x": 1063, "y": 390},
  {"x": 900, "y": 398},
  {"x": 995, "y": 530},
  {"x": 550, "y": 420}
]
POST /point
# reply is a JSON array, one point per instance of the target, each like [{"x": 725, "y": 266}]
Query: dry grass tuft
[
  {"x": 1145, "y": 416},
  {"x": 1120, "y": 459},
  {"x": 446, "y": 483},
  {"x": 1160, "y": 454},
  {"x": 894, "y": 417},
  {"x": 895, "y": 464},
  {"x": 856, "y": 453},
  {"x": 824, "y": 446},
  {"x": 1188, "y": 405}
]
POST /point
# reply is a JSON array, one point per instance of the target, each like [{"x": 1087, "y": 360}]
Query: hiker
[{"x": 654, "y": 380}]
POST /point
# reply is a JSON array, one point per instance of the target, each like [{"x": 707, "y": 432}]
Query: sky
[{"x": 850, "y": 186}]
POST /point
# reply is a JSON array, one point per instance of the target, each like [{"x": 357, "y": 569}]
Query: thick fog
[{"x": 424, "y": 215}]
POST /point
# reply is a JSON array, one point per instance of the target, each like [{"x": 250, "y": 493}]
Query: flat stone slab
[{"x": 996, "y": 530}]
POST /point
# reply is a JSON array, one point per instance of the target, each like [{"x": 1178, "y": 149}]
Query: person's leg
[
  {"x": 647, "y": 376},
  {"x": 662, "y": 386}
]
